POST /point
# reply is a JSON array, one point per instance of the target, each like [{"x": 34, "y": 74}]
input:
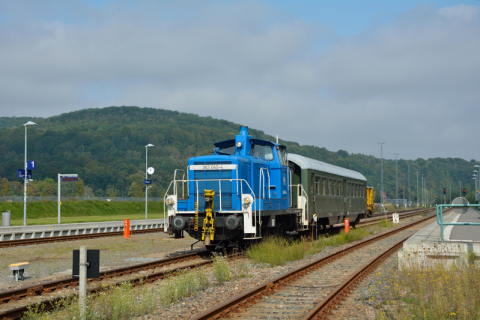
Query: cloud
[{"x": 412, "y": 83}]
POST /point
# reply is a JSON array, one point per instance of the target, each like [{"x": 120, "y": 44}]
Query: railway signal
[{"x": 464, "y": 192}]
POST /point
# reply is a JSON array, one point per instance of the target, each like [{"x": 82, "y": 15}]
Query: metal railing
[
  {"x": 440, "y": 216},
  {"x": 76, "y": 198}
]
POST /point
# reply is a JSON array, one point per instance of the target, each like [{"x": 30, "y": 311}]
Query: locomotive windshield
[
  {"x": 228, "y": 149},
  {"x": 260, "y": 151},
  {"x": 282, "y": 154}
]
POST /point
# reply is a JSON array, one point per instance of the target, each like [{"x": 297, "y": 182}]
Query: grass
[
  {"x": 45, "y": 212},
  {"x": 127, "y": 302},
  {"x": 221, "y": 269},
  {"x": 435, "y": 292},
  {"x": 276, "y": 251}
]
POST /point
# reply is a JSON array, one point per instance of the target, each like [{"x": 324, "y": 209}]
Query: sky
[{"x": 342, "y": 74}]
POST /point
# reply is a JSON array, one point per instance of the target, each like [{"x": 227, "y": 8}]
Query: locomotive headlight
[
  {"x": 239, "y": 144},
  {"x": 170, "y": 201},
  {"x": 246, "y": 201}
]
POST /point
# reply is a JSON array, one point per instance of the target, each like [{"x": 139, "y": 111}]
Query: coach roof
[{"x": 307, "y": 163}]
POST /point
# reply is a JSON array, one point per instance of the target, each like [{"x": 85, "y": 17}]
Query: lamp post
[
  {"x": 396, "y": 178},
  {"x": 146, "y": 177},
  {"x": 29, "y": 123},
  {"x": 478, "y": 183}
]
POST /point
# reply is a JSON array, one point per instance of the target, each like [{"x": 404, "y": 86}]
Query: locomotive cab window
[
  {"x": 282, "y": 154},
  {"x": 260, "y": 151},
  {"x": 227, "y": 150}
]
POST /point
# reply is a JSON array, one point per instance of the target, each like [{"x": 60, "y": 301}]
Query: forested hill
[{"x": 106, "y": 147}]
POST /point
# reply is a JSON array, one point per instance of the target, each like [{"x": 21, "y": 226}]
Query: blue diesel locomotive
[{"x": 250, "y": 187}]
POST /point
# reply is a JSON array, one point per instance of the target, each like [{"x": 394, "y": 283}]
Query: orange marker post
[
  {"x": 347, "y": 224},
  {"x": 126, "y": 228}
]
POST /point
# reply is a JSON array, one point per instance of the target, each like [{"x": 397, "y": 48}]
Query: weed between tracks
[
  {"x": 436, "y": 292},
  {"x": 126, "y": 301},
  {"x": 276, "y": 251}
]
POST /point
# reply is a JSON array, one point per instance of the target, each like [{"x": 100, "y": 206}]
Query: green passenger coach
[{"x": 331, "y": 193}]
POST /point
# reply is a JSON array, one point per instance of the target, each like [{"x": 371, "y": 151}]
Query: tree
[
  {"x": 80, "y": 187},
  {"x": 5, "y": 188},
  {"x": 112, "y": 191},
  {"x": 135, "y": 190}
]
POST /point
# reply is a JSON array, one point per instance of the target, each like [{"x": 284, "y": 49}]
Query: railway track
[
  {"x": 402, "y": 215},
  {"x": 311, "y": 291},
  {"x": 145, "y": 272},
  {"x": 13, "y": 304},
  {"x": 35, "y": 241}
]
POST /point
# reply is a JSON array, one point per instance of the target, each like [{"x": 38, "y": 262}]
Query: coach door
[{"x": 344, "y": 194}]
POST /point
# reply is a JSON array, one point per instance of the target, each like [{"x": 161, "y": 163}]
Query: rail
[{"x": 440, "y": 216}]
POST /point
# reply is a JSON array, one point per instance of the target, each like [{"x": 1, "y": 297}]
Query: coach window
[
  {"x": 329, "y": 187},
  {"x": 340, "y": 193},
  {"x": 260, "y": 151},
  {"x": 317, "y": 185}
]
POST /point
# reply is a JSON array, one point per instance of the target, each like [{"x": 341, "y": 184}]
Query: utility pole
[
  {"x": 396, "y": 177},
  {"x": 418, "y": 193},
  {"x": 450, "y": 193},
  {"x": 409, "y": 195},
  {"x": 381, "y": 172},
  {"x": 423, "y": 192}
]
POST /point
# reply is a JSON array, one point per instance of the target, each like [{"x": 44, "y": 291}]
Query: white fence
[{"x": 37, "y": 198}]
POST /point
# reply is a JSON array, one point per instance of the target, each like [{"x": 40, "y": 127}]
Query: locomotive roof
[{"x": 307, "y": 163}]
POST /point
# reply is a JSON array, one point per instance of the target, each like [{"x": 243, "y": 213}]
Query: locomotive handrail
[
  {"x": 300, "y": 187},
  {"x": 183, "y": 178},
  {"x": 219, "y": 180},
  {"x": 262, "y": 176},
  {"x": 236, "y": 174}
]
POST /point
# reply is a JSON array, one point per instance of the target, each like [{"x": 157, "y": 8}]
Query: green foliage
[
  {"x": 435, "y": 292},
  {"x": 106, "y": 147},
  {"x": 221, "y": 270},
  {"x": 276, "y": 251}
]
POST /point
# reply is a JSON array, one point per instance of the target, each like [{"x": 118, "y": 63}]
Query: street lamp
[
  {"x": 29, "y": 123},
  {"x": 477, "y": 186},
  {"x": 396, "y": 177},
  {"x": 146, "y": 177}
]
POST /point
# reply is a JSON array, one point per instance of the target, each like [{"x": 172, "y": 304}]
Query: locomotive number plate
[{"x": 213, "y": 167}]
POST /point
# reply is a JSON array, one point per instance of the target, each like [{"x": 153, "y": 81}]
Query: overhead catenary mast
[
  {"x": 396, "y": 178},
  {"x": 382, "y": 193}
]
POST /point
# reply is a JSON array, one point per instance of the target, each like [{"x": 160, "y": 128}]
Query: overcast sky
[{"x": 340, "y": 74}]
